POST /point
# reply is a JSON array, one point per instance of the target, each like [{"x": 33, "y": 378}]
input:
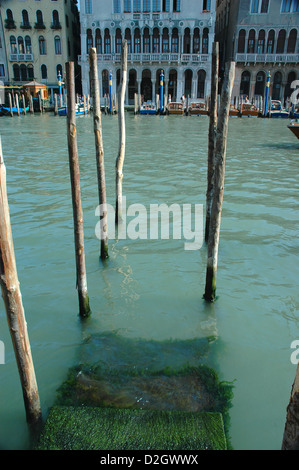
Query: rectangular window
[
  {"x": 286, "y": 6},
  {"x": 137, "y": 6},
  {"x": 127, "y": 6},
  {"x": 255, "y": 6},
  {"x": 116, "y": 6},
  {"x": 177, "y": 5},
  {"x": 156, "y": 5},
  {"x": 206, "y": 6},
  {"x": 146, "y": 5},
  {"x": 88, "y": 7},
  {"x": 265, "y": 6},
  {"x": 2, "y": 71},
  {"x": 165, "y": 5}
]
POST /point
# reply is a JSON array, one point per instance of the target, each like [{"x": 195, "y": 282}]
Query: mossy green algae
[{"x": 91, "y": 428}]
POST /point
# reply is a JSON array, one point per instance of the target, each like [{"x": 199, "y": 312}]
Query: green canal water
[{"x": 151, "y": 291}]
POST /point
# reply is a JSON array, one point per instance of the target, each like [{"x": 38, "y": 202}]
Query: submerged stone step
[{"x": 95, "y": 428}]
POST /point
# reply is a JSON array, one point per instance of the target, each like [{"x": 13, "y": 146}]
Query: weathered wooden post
[
  {"x": 291, "y": 431},
  {"x": 14, "y": 307},
  {"x": 135, "y": 103},
  {"x": 97, "y": 120},
  {"x": 55, "y": 105},
  {"x": 17, "y": 105},
  {"x": 24, "y": 104},
  {"x": 212, "y": 134},
  {"x": 84, "y": 308},
  {"x": 122, "y": 134},
  {"x": 31, "y": 109},
  {"x": 10, "y": 104},
  {"x": 219, "y": 174},
  {"x": 84, "y": 105}
]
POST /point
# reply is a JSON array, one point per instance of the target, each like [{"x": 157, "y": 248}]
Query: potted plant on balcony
[{"x": 10, "y": 23}]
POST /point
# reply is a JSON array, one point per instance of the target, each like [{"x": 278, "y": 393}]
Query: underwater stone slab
[{"x": 91, "y": 428}]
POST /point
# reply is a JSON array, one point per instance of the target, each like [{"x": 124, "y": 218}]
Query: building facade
[
  {"x": 175, "y": 36},
  {"x": 261, "y": 36},
  {"x": 3, "y": 59},
  {"x": 40, "y": 37}
]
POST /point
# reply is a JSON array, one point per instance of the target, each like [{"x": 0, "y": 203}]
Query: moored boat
[
  {"x": 175, "y": 108},
  {"x": 248, "y": 109},
  {"x": 294, "y": 127},
  {"x": 277, "y": 110},
  {"x": 148, "y": 108},
  {"x": 62, "y": 111},
  {"x": 198, "y": 109},
  {"x": 233, "y": 111},
  {"x": 5, "y": 110}
]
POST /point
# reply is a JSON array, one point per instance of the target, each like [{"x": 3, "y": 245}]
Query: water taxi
[
  {"x": 198, "y": 109},
  {"x": 233, "y": 111},
  {"x": 248, "y": 109},
  {"x": 277, "y": 110},
  {"x": 62, "y": 111},
  {"x": 294, "y": 127},
  {"x": 175, "y": 108},
  {"x": 148, "y": 108}
]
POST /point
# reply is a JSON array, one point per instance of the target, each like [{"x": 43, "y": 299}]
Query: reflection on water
[{"x": 151, "y": 290}]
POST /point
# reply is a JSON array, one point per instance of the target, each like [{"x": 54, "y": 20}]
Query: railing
[
  {"x": 267, "y": 58},
  {"x": 168, "y": 57},
  {"x": 21, "y": 57}
]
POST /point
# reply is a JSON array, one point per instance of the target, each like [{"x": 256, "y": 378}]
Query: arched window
[
  {"x": 281, "y": 41},
  {"x": 42, "y": 45},
  {"x": 21, "y": 48},
  {"x": 241, "y": 41},
  {"x": 260, "y": 83},
  {"x": 28, "y": 46},
  {"x": 292, "y": 41},
  {"x": 251, "y": 42},
  {"x": 270, "y": 43},
  {"x": 196, "y": 41},
  {"x": 129, "y": 40},
  {"x": 156, "y": 40},
  {"x": 137, "y": 41},
  {"x": 25, "y": 18},
  {"x": 201, "y": 81},
  {"x": 187, "y": 41},
  {"x": 277, "y": 86},
  {"x": 165, "y": 40},
  {"x": 57, "y": 45},
  {"x": 44, "y": 72},
  {"x": 205, "y": 41},
  {"x": 245, "y": 83},
  {"x": 30, "y": 72},
  {"x": 16, "y": 72},
  {"x": 23, "y": 73},
  {"x": 59, "y": 70},
  {"x": 89, "y": 40},
  {"x": 107, "y": 42},
  {"x": 55, "y": 19},
  {"x": 288, "y": 89},
  {"x": 261, "y": 42},
  {"x": 146, "y": 40},
  {"x": 188, "y": 82},
  {"x": 98, "y": 41},
  {"x": 118, "y": 40},
  {"x": 175, "y": 41},
  {"x": 13, "y": 45},
  {"x": 105, "y": 82},
  {"x": 39, "y": 18},
  {"x": 9, "y": 15}
]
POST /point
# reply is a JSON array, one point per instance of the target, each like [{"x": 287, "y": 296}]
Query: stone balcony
[
  {"x": 152, "y": 58},
  {"x": 267, "y": 58}
]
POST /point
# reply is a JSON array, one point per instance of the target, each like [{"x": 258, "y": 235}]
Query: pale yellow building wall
[{"x": 50, "y": 59}]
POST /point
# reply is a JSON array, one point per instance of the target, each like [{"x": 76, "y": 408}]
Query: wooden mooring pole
[
  {"x": 31, "y": 109},
  {"x": 219, "y": 176},
  {"x": 212, "y": 134},
  {"x": 97, "y": 120},
  {"x": 291, "y": 432},
  {"x": 14, "y": 307},
  {"x": 122, "y": 134},
  {"x": 55, "y": 105},
  {"x": 84, "y": 308},
  {"x": 10, "y": 104}
]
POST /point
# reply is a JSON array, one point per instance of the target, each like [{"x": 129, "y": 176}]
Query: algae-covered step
[{"x": 91, "y": 428}]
